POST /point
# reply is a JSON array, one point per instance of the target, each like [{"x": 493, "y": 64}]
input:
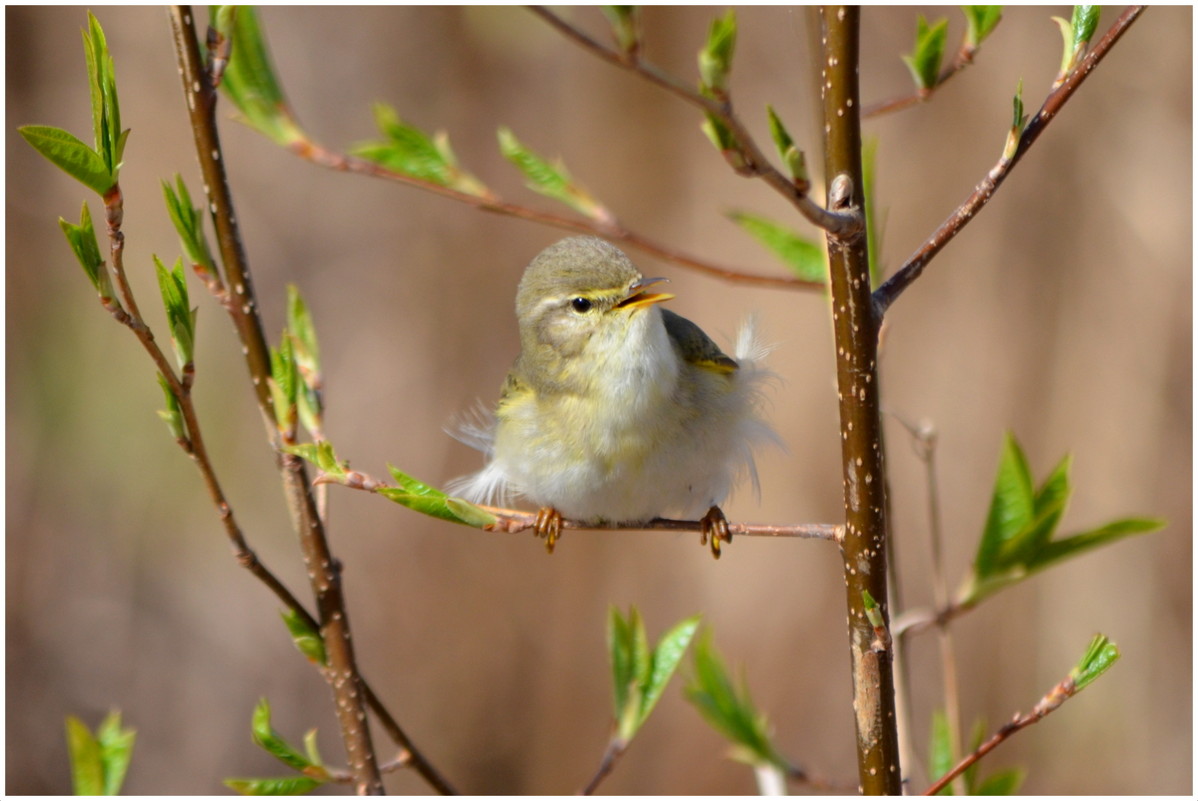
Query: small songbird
[{"x": 617, "y": 410}]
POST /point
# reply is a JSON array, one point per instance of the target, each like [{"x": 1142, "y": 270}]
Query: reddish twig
[
  {"x": 610, "y": 228},
  {"x": 894, "y": 286},
  {"x": 842, "y": 222},
  {"x": 1053, "y": 699},
  {"x": 960, "y": 61},
  {"x": 615, "y": 748}
]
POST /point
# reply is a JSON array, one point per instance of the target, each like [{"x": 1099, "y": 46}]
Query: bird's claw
[
  {"x": 715, "y": 525},
  {"x": 548, "y": 526}
]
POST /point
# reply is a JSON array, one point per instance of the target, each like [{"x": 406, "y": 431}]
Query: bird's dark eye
[{"x": 580, "y": 305}]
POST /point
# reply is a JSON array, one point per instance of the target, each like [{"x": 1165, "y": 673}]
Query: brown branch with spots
[
  {"x": 894, "y": 286},
  {"x": 351, "y": 694}
]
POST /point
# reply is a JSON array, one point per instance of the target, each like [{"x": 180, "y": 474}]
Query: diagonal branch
[
  {"x": 756, "y": 165},
  {"x": 894, "y": 286},
  {"x": 1065, "y": 690},
  {"x": 609, "y": 228}
]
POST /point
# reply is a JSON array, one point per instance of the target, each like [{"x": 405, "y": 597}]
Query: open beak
[{"x": 637, "y": 296}]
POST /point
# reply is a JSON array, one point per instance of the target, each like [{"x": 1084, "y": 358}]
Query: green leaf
[
  {"x": 1012, "y": 507},
  {"x": 284, "y": 382},
  {"x": 99, "y": 763},
  {"x": 804, "y": 257},
  {"x": 1003, "y": 782},
  {"x": 310, "y": 748},
  {"x": 421, "y": 497},
  {"x": 189, "y": 223},
  {"x": 873, "y": 239},
  {"x": 720, "y": 136},
  {"x": 625, "y": 24},
  {"x": 116, "y": 751},
  {"x": 715, "y": 59},
  {"x": 1076, "y": 544},
  {"x": 980, "y": 22},
  {"x": 940, "y": 753},
  {"x": 924, "y": 61},
  {"x": 83, "y": 243},
  {"x": 552, "y": 180},
  {"x": 791, "y": 156},
  {"x": 287, "y": 785},
  {"x": 1084, "y": 23},
  {"x": 666, "y": 658},
  {"x": 172, "y": 415},
  {"x": 320, "y": 454},
  {"x": 306, "y": 639},
  {"x": 728, "y": 709},
  {"x": 1098, "y": 659},
  {"x": 87, "y": 769},
  {"x": 306, "y": 351},
  {"x": 179, "y": 316},
  {"x": 106, "y": 110},
  {"x": 872, "y": 613},
  {"x": 70, "y": 155},
  {"x": 250, "y": 82},
  {"x": 268, "y": 739}
]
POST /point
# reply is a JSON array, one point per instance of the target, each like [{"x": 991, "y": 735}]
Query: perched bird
[{"x": 617, "y": 410}]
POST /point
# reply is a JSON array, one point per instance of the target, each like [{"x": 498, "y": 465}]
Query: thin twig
[
  {"x": 894, "y": 286},
  {"x": 842, "y": 222},
  {"x": 914, "y": 621},
  {"x": 514, "y": 521},
  {"x": 1053, "y": 699},
  {"x": 960, "y": 61},
  {"x": 610, "y": 228},
  {"x": 615, "y": 748}
]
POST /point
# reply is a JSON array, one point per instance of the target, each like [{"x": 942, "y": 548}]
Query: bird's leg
[
  {"x": 716, "y": 525},
  {"x": 549, "y": 526}
]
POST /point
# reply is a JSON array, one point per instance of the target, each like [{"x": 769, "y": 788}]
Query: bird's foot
[
  {"x": 715, "y": 525},
  {"x": 548, "y": 526}
]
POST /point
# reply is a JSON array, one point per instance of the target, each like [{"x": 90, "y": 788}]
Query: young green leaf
[
  {"x": 980, "y": 22},
  {"x": 1018, "y": 122},
  {"x": 721, "y": 137},
  {"x": 266, "y": 738},
  {"x": 1003, "y": 782},
  {"x": 791, "y": 156},
  {"x": 924, "y": 61},
  {"x": 99, "y": 763},
  {"x": 715, "y": 59},
  {"x": 1076, "y": 544},
  {"x": 307, "y": 360},
  {"x": 1012, "y": 506},
  {"x": 306, "y": 639},
  {"x": 640, "y": 675},
  {"x": 552, "y": 180},
  {"x": 70, "y": 155},
  {"x": 250, "y": 82},
  {"x": 287, "y": 785},
  {"x": 179, "y": 316},
  {"x": 873, "y": 227},
  {"x": 106, "y": 109},
  {"x": 940, "y": 752},
  {"x": 310, "y": 748},
  {"x": 320, "y": 454},
  {"x": 1099, "y": 656},
  {"x": 1076, "y": 34},
  {"x": 730, "y": 710},
  {"x": 189, "y": 223},
  {"x": 420, "y": 497},
  {"x": 82, "y": 240},
  {"x": 172, "y": 415},
  {"x": 625, "y": 24},
  {"x": 406, "y": 149},
  {"x": 284, "y": 382},
  {"x": 803, "y": 256}
]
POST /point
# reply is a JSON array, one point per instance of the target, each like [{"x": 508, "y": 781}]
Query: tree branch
[
  {"x": 960, "y": 61},
  {"x": 838, "y": 221},
  {"x": 341, "y": 672},
  {"x": 1065, "y": 690},
  {"x": 610, "y": 229},
  {"x": 865, "y": 544},
  {"x": 894, "y": 286}
]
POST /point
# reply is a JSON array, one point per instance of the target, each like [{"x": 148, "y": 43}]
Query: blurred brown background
[{"x": 1062, "y": 314}]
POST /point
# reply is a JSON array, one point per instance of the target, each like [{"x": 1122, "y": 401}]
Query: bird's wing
[{"x": 695, "y": 346}]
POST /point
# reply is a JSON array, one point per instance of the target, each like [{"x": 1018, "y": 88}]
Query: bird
[{"x": 617, "y": 411}]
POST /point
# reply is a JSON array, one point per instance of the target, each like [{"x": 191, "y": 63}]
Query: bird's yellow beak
[{"x": 637, "y": 296}]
